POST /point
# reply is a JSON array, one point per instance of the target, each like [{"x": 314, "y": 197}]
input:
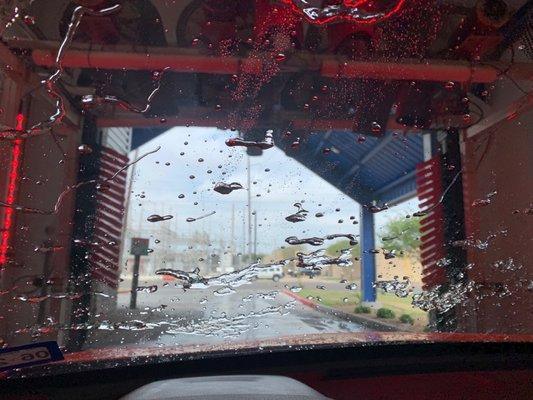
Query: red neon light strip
[{"x": 16, "y": 156}]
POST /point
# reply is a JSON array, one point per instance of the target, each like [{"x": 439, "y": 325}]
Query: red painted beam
[
  {"x": 429, "y": 70},
  {"x": 138, "y": 121},
  {"x": 133, "y": 120},
  {"x": 150, "y": 62},
  {"x": 436, "y": 71}
]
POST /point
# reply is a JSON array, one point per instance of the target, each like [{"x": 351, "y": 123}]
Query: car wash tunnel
[{"x": 386, "y": 102}]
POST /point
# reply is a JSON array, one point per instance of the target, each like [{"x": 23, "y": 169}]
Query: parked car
[{"x": 274, "y": 273}]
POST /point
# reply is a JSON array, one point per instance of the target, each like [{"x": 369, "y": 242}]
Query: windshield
[{"x": 194, "y": 175}]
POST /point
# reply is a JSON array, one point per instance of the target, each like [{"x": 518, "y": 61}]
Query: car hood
[{"x": 147, "y": 353}]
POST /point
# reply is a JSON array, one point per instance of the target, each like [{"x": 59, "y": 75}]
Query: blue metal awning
[{"x": 380, "y": 169}]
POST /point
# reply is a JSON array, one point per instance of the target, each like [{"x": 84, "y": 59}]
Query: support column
[{"x": 368, "y": 259}]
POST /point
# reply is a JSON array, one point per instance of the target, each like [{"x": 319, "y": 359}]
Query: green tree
[{"x": 402, "y": 235}]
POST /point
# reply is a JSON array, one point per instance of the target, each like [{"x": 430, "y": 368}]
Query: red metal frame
[
  {"x": 429, "y": 190},
  {"x": 7, "y": 223},
  {"x": 429, "y": 70}
]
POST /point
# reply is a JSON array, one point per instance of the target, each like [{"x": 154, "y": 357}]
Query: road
[{"x": 256, "y": 311}]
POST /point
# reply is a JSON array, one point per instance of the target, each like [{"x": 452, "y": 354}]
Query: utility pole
[
  {"x": 255, "y": 236},
  {"x": 249, "y": 189},
  {"x": 233, "y": 227},
  {"x": 126, "y": 210},
  {"x": 135, "y": 281},
  {"x": 139, "y": 247},
  {"x": 232, "y": 241},
  {"x": 243, "y": 250}
]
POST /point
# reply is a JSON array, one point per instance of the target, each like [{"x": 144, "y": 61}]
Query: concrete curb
[
  {"x": 365, "y": 321},
  {"x": 300, "y": 299}
]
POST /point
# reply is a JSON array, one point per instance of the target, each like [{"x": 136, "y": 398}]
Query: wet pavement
[{"x": 257, "y": 311}]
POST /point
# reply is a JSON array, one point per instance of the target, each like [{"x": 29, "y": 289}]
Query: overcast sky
[{"x": 278, "y": 182}]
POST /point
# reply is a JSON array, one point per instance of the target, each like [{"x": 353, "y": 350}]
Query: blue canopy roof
[{"x": 376, "y": 168}]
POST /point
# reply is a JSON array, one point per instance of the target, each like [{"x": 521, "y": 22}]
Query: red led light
[
  {"x": 20, "y": 122},
  {"x": 7, "y": 224},
  {"x": 293, "y": 4}
]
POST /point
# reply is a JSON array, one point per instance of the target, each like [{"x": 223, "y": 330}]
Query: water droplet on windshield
[
  {"x": 349, "y": 236},
  {"x": 486, "y": 201},
  {"x": 227, "y": 188},
  {"x": 158, "y": 218},
  {"x": 147, "y": 289},
  {"x": 351, "y": 286},
  {"x": 267, "y": 143},
  {"x": 449, "y": 85},
  {"x": 191, "y": 219},
  {"x": 224, "y": 291},
  {"x": 313, "y": 241},
  {"x": 299, "y": 216},
  {"x": 29, "y": 20},
  {"x": 84, "y": 149},
  {"x": 375, "y": 127},
  {"x": 280, "y": 57},
  {"x": 375, "y": 209},
  {"x": 296, "y": 143}
]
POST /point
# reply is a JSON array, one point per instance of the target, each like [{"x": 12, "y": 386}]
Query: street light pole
[
  {"x": 135, "y": 281},
  {"x": 139, "y": 247},
  {"x": 249, "y": 189},
  {"x": 255, "y": 236}
]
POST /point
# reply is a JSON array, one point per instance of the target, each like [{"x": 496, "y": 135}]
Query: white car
[{"x": 274, "y": 273}]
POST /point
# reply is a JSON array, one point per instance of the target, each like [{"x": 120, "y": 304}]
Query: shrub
[
  {"x": 407, "y": 319},
  {"x": 385, "y": 313},
  {"x": 360, "y": 309}
]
